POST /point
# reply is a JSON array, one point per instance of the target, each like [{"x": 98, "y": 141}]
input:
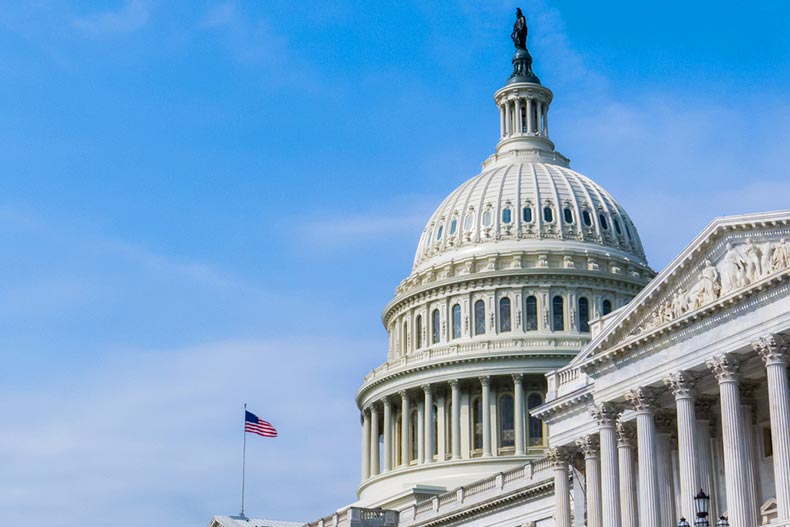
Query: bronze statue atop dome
[
  {"x": 519, "y": 34},
  {"x": 522, "y": 60}
]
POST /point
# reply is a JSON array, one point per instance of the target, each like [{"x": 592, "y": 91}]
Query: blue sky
[{"x": 209, "y": 203}]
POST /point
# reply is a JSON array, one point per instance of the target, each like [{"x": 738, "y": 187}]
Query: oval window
[
  {"x": 526, "y": 214},
  {"x": 468, "y": 222},
  {"x": 617, "y": 226},
  {"x": 602, "y": 219},
  {"x": 439, "y": 232},
  {"x": 453, "y": 226},
  {"x": 487, "y": 218},
  {"x": 548, "y": 214},
  {"x": 507, "y": 216},
  {"x": 587, "y": 218},
  {"x": 627, "y": 230},
  {"x": 568, "y": 215}
]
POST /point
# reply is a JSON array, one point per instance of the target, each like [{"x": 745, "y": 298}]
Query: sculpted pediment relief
[{"x": 730, "y": 256}]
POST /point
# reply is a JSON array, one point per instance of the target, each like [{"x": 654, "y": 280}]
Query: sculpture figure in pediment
[
  {"x": 780, "y": 258},
  {"x": 752, "y": 259},
  {"x": 679, "y": 303},
  {"x": 709, "y": 286},
  {"x": 733, "y": 273}
]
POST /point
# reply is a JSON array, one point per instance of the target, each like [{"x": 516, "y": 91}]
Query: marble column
[
  {"x": 405, "y": 432},
  {"x": 428, "y": 427},
  {"x": 387, "y": 434},
  {"x": 606, "y": 416},
  {"x": 374, "y": 441},
  {"x": 682, "y": 386},
  {"x": 517, "y": 116},
  {"x": 588, "y": 445},
  {"x": 747, "y": 403},
  {"x": 365, "y": 444},
  {"x": 518, "y": 410},
  {"x": 420, "y": 434},
  {"x": 485, "y": 383},
  {"x": 704, "y": 413},
  {"x": 455, "y": 419},
  {"x": 625, "y": 462},
  {"x": 560, "y": 457},
  {"x": 773, "y": 350},
  {"x": 725, "y": 368},
  {"x": 502, "y": 121},
  {"x": 539, "y": 124},
  {"x": 508, "y": 120},
  {"x": 642, "y": 401},
  {"x": 530, "y": 119},
  {"x": 666, "y": 491}
]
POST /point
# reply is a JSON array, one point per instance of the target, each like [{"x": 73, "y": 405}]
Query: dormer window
[
  {"x": 604, "y": 224},
  {"x": 568, "y": 215},
  {"x": 487, "y": 218},
  {"x": 469, "y": 221},
  {"x": 507, "y": 215},
  {"x": 586, "y": 218},
  {"x": 453, "y": 226},
  {"x": 617, "y": 226},
  {"x": 548, "y": 214},
  {"x": 439, "y": 232},
  {"x": 526, "y": 214}
]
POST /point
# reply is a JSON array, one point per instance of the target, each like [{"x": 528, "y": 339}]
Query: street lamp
[
  {"x": 683, "y": 523},
  {"x": 701, "y": 504},
  {"x": 722, "y": 522}
]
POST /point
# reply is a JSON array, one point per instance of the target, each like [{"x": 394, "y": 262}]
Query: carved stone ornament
[
  {"x": 773, "y": 349},
  {"x": 641, "y": 399},
  {"x": 681, "y": 384},
  {"x": 605, "y": 414},
  {"x": 559, "y": 456},
  {"x": 626, "y": 434},
  {"x": 588, "y": 445},
  {"x": 725, "y": 367}
]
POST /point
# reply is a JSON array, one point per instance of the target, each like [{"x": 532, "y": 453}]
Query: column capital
[
  {"x": 518, "y": 378},
  {"x": 772, "y": 349},
  {"x": 605, "y": 413},
  {"x": 559, "y": 456},
  {"x": 426, "y": 388},
  {"x": 485, "y": 380},
  {"x": 403, "y": 395},
  {"x": 725, "y": 367},
  {"x": 454, "y": 383},
  {"x": 366, "y": 409},
  {"x": 642, "y": 399},
  {"x": 681, "y": 384},
  {"x": 588, "y": 445},
  {"x": 386, "y": 401},
  {"x": 626, "y": 434}
]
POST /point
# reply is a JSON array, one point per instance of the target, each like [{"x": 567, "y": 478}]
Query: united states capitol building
[{"x": 541, "y": 374}]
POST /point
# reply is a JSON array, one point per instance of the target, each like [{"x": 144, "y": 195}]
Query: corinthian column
[
  {"x": 387, "y": 434},
  {"x": 588, "y": 445},
  {"x": 682, "y": 386},
  {"x": 774, "y": 351},
  {"x": 560, "y": 457},
  {"x": 428, "y": 427},
  {"x": 518, "y": 410},
  {"x": 625, "y": 461},
  {"x": 365, "y": 444},
  {"x": 485, "y": 383},
  {"x": 606, "y": 415},
  {"x": 374, "y": 441},
  {"x": 666, "y": 490},
  {"x": 725, "y": 368},
  {"x": 642, "y": 401},
  {"x": 455, "y": 419},
  {"x": 405, "y": 434}
]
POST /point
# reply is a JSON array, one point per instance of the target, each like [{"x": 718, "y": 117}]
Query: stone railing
[{"x": 534, "y": 472}]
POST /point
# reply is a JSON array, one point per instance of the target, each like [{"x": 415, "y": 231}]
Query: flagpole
[{"x": 243, "y": 459}]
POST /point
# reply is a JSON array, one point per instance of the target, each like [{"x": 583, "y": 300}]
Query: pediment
[{"x": 731, "y": 257}]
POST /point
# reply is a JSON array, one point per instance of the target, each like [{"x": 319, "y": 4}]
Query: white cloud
[{"x": 133, "y": 15}]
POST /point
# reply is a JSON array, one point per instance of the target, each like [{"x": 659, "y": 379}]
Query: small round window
[
  {"x": 548, "y": 214},
  {"x": 568, "y": 214},
  {"x": 469, "y": 220},
  {"x": 586, "y": 218},
  {"x": 439, "y": 232},
  {"x": 526, "y": 214},
  {"x": 507, "y": 215},
  {"x": 487, "y": 218},
  {"x": 453, "y": 226},
  {"x": 604, "y": 224}
]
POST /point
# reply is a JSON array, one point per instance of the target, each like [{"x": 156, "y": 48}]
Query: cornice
[{"x": 561, "y": 405}]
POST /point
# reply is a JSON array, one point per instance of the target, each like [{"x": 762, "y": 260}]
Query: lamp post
[
  {"x": 722, "y": 522},
  {"x": 701, "y": 504},
  {"x": 683, "y": 523}
]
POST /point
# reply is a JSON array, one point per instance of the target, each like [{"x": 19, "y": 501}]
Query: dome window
[
  {"x": 504, "y": 315},
  {"x": 469, "y": 221},
  {"x": 532, "y": 313},
  {"x": 435, "y": 327},
  {"x": 607, "y": 307},
  {"x": 604, "y": 224},
  {"x": 487, "y": 218},
  {"x": 584, "y": 315},
  {"x": 557, "y": 314},
  {"x": 568, "y": 213},
  {"x": 526, "y": 214},
  {"x": 453, "y": 226},
  {"x": 456, "y": 321},
  {"x": 617, "y": 226},
  {"x": 586, "y": 218},
  {"x": 548, "y": 214},
  {"x": 480, "y": 317},
  {"x": 507, "y": 215},
  {"x": 627, "y": 230},
  {"x": 439, "y": 232}
]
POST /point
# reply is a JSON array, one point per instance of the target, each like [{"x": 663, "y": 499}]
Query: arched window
[
  {"x": 535, "y": 425},
  {"x": 607, "y": 307},
  {"x": 507, "y": 215},
  {"x": 584, "y": 315},
  {"x": 405, "y": 337},
  {"x": 504, "y": 315},
  {"x": 557, "y": 314},
  {"x": 457, "y": 321},
  {"x": 477, "y": 424},
  {"x": 435, "y": 326},
  {"x": 548, "y": 214},
  {"x": 568, "y": 214},
  {"x": 413, "y": 439},
  {"x": 507, "y": 433},
  {"x": 418, "y": 331},
  {"x": 532, "y": 313},
  {"x": 526, "y": 214},
  {"x": 480, "y": 317}
]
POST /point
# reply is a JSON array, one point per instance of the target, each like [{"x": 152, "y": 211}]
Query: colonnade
[
  {"x": 610, "y": 475},
  {"x": 523, "y": 116},
  {"x": 444, "y": 421}
]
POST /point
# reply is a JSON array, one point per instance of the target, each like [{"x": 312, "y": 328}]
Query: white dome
[{"x": 526, "y": 206}]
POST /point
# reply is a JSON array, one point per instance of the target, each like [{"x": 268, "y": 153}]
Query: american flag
[{"x": 258, "y": 426}]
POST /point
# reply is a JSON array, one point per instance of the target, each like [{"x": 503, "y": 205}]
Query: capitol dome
[{"x": 513, "y": 272}]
